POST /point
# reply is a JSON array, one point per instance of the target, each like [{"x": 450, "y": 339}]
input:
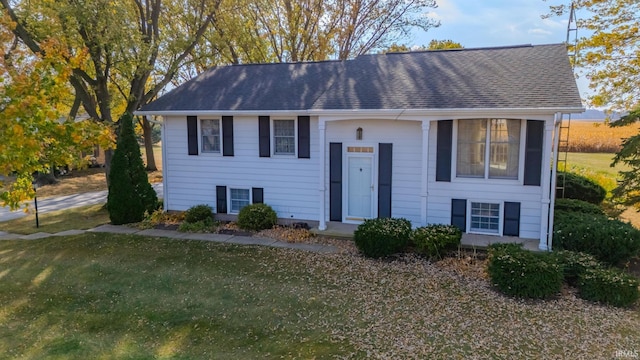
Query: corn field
[{"x": 598, "y": 137}]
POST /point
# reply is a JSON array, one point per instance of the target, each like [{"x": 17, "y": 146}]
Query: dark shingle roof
[{"x": 511, "y": 77}]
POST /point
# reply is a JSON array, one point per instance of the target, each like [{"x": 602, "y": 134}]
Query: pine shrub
[
  {"x": 574, "y": 205},
  {"x": 434, "y": 240},
  {"x": 382, "y": 237},
  {"x": 581, "y": 188},
  {"x": 575, "y": 264},
  {"x": 522, "y": 273},
  {"x": 130, "y": 194},
  {"x": 197, "y": 213},
  {"x": 609, "y": 286},
  {"x": 610, "y": 241},
  {"x": 257, "y": 217}
]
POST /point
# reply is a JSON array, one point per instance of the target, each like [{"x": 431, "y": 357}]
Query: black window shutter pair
[
  {"x": 227, "y": 135},
  {"x": 304, "y": 136},
  {"x": 511, "y": 224},
  {"x": 257, "y": 195},
  {"x": 532, "y": 159}
]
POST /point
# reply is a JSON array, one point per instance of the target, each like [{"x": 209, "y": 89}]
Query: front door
[{"x": 359, "y": 187}]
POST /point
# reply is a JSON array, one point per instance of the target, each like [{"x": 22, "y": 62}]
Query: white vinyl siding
[
  {"x": 210, "y": 135},
  {"x": 284, "y": 137},
  {"x": 238, "y": 198}
]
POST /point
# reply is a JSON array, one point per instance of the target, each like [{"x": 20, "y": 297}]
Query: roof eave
[{"x": 373, "y": 112}]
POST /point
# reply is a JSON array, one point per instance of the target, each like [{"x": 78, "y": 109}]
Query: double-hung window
[
  {"x": 284, "y": 137},
  {"x": 238, "y": 198},
  {"x": 210, "y": 132},
  {"x": 488, "y": 148}
]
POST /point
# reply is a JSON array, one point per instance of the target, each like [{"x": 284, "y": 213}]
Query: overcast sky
[{"x": 482, "y": 23}]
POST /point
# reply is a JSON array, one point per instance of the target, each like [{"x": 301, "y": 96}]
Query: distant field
[{"x": 598, "y": 137}]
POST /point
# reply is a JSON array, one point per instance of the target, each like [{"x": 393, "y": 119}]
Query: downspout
[{"x": 554, "y": 177}]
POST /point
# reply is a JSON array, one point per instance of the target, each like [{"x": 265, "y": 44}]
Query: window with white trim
[
  {"x": 284, "y": 137},
  {"x": 210, "y": 135},
  {"x": 485, "y": 217},
  {"x": 488, "y": 148},
  {"x": 238, "y": 198}
]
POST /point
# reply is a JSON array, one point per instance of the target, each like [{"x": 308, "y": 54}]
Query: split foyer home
[{"x": 464, "y": 137}]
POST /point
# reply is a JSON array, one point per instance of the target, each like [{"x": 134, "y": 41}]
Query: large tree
[
  {"x": 609, "y": 55},
  {"x": 133, "y": 52}
]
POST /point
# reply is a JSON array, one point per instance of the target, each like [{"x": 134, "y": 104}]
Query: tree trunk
[
  {"x": 108, "y": 154},
  {"x": 147, "y": 129}
]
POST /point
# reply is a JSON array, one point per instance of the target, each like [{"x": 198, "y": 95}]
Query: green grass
[
  {"x": 81, "y": 218},
  {"x": 112, "y": 296},
  {"x": 107, "y": 296},
  {"x": 595, "y": 166}
]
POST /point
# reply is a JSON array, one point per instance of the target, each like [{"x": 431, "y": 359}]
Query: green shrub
[
  {"x": 381, "y": 237},
  {"x": 609, "y": 286},
  {"x": 575, "y": 264},
  {"x": 525, "y": 274},
  {"x": 257, "y": 217},
  {"x": 130, "y": 194},
  {"x": 206, "y": 225},
  {"x": 434, "y": 240},
  {"x": 581, "y": 188},
  {"x": 574, "y": 205},
  {"x": 610, "y": 241},
  {"x": 198, "y": 213}
]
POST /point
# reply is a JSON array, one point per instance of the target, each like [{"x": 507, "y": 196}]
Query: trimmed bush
[
  {"x": 130, "y": 194},
  {"x": 575, "y": 264},
  {"x": 610, "y": 241},
  {"x": 434, "y": 240},
  {"x": 573, "y": 205},
  {"x": 197, "y": 213},
  {"x": 581, "y": 188},
  {"x": 381, "y": 237},
  {"x": 609, "y": 286},
  {"x": 525, "y": 274},
  {"x": 257, "y": 217}
]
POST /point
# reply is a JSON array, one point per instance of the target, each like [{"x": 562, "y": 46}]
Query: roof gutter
[{"x": 371, "y": 112}]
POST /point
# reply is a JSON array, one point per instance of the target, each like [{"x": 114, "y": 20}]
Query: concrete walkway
[
  {"x": 66, "y": 202},
  {"x": 227, "y": 239}
]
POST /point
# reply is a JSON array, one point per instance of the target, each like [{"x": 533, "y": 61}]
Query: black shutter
[
  {"x": 257, "y": 195},
  {"x": 221, "y": 199},
  {"x": 192, "y": 134},
  {"x": 459, "y": 213},
  {"x": 443, "y": 150},
  {"x": 264, "y": 136},
  {"x": 511, "y": 219},
  {"x": 304, "y": 137},
  {"x": 335, "y": 181},
  {"x": 227, "y": 135},
  {"x": 385, "y": 158},
  {"x": 533, "y": 152}
]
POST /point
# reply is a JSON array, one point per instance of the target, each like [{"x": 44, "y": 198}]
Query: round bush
[
  {"x": 581, "y": 188},
  {"x": 574, "y": 205},
  {"x": 609, "y": 286},
  {"x": 525, "y": 274},
  {"x": 197, "y": 213},
  {"x": 377, "y": 238},
  {"x": 257, "y": 217},
  {"x": 610, "y": 241},
  {"x": 575, "y": 264},
  {"x": 434, "y": 240}
]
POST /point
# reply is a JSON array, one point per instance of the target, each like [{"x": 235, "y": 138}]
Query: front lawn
[{"x": 123, "y": 296}]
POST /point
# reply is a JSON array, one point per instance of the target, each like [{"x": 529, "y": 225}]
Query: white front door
[{"x": 359, "y": 187}]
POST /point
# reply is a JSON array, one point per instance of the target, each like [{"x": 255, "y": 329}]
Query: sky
[{"x": 484, "y": 23}]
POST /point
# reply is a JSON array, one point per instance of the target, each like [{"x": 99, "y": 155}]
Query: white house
[{"x": 460, "y": 137}]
